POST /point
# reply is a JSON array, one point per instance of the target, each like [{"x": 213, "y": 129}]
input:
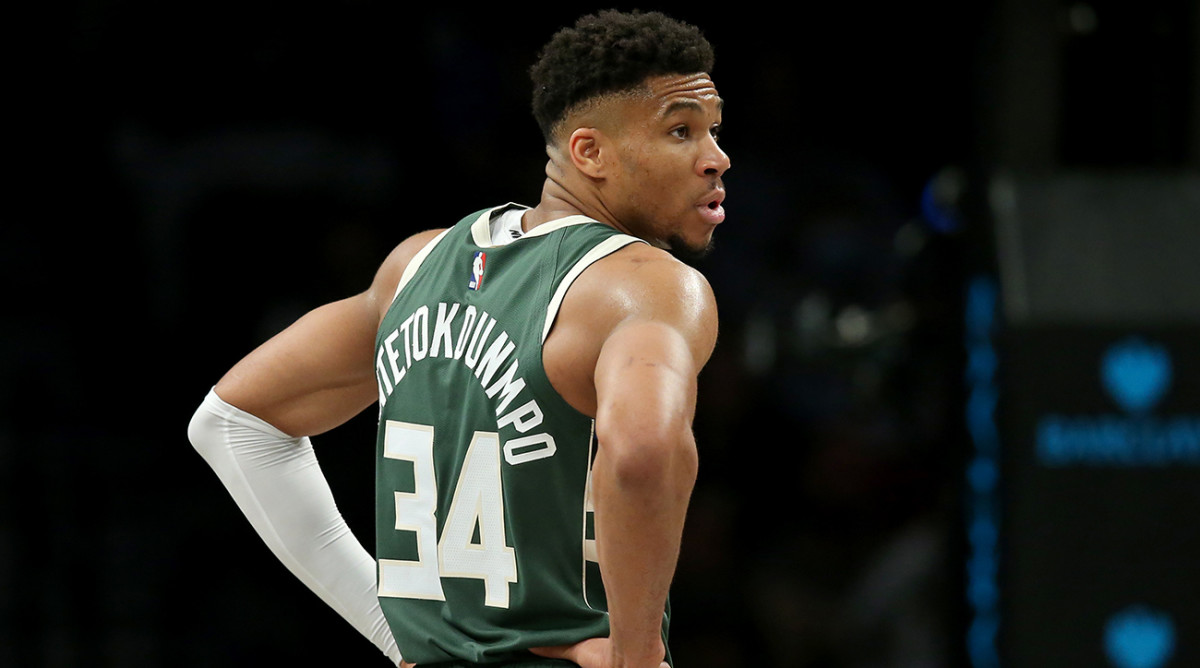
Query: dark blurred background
[{"x": 946, "y": 222}]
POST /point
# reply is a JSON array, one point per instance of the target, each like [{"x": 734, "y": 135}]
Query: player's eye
[
  {"x": 681, "y": 132},
  {"x": 715, "y": 131}
]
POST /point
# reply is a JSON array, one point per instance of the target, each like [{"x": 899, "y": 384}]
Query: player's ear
[{"x": 584, "y": 148}]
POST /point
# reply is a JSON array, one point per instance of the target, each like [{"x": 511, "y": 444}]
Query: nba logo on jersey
[{"x": 477, "y": 270}]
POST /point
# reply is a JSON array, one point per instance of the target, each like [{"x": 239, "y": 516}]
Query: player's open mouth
[{"x": 713, "y": 210}]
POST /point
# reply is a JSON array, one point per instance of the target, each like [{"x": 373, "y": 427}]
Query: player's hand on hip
[{"x": 590, "y": 653}]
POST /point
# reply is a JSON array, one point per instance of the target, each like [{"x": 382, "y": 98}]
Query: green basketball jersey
[{"x": 484, "y": 526}]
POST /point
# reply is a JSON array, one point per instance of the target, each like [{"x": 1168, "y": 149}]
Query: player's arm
[
  {"x": 253, "y": 429},
  {"x": 646, "y": 461},
  {"x": 320, "y": 372}
]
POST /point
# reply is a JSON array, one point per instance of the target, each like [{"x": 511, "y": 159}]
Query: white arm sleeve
[{"x": 278, "y": 485}]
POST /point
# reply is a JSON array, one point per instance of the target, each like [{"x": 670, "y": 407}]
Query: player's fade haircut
[{"x": 609, "y": 52}]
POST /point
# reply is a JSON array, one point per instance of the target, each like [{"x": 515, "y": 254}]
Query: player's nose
[{"x": 713, "y": 161}]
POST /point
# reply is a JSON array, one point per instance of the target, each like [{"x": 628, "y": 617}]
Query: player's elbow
[
  {"x": 640, "y": 461},
  {"x": 202, "y": 429}
]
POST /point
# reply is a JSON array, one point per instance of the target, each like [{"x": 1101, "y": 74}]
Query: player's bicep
[
  {"x": 645, "y": 385},
  {"x": 312, "y": 376},
  {"x": 646, "y": 371},
  {"x": 320, "y": 372}
]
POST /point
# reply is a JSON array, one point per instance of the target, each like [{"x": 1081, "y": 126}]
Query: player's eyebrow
[{"x": 690, "y": 105}]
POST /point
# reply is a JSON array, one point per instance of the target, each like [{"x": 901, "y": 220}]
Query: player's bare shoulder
[
  {"x": 387, "y": 277},
  {"x": 643, "y": 282},
  {"x": 636, "y": 283}
]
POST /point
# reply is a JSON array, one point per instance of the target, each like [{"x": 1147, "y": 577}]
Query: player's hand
[
  {"x": 590, "y": 653},
  {"x": 405, "y": 664}
]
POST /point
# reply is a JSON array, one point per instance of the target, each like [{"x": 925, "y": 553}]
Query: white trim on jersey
[
  {"x": 415, "y": 263},
  {"x": 600, "y": 250},
  {"x": 485, "y": 234},
  {"x": 589, "y": 544}
]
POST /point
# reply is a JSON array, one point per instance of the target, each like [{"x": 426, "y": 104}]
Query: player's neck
[{"x": 561, "y": 199}]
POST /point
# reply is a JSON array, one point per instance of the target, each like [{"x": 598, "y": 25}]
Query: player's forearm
[
  {"x": 277, "y": 483},
  {"x": 640, "y": 496}
]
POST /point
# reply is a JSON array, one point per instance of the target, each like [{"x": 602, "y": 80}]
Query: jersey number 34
[{"x": 477, "y": 502}]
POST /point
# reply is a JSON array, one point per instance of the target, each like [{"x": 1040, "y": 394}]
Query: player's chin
[{"x": 690, "y": 250}]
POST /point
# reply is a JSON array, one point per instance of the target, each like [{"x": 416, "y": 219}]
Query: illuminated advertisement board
[{"x": 1099, "y": 478}]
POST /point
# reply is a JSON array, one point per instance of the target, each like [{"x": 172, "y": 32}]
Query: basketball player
[{"x": 535, "y": 371}]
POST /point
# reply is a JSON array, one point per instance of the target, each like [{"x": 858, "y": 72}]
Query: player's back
[{"x": 484, "y": 529}]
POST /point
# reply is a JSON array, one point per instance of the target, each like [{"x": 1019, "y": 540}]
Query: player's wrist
[{"x": 648, "y": 653}]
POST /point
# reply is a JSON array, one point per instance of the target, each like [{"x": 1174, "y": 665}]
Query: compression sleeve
[{"x": 277, "y": 483}]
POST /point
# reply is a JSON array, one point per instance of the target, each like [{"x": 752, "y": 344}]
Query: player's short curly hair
[{"x": 610, "y": 52}]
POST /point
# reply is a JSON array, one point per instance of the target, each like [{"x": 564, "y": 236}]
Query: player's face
[{"x": 668, "y": 189}]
